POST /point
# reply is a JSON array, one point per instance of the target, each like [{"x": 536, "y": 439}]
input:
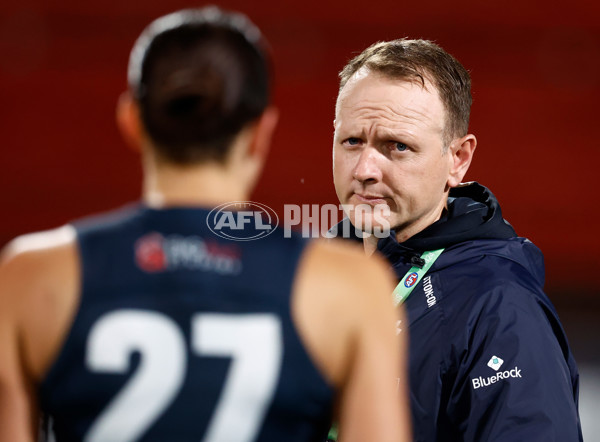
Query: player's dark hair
[
  {"x": 199, "y": 76},
  {"x": 418, "y": 60}
]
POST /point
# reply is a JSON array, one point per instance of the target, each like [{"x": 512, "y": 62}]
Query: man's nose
[{"x": 367, "y": 167}]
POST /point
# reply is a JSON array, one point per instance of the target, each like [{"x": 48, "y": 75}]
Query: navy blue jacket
[{"x": 489, "y": 359}]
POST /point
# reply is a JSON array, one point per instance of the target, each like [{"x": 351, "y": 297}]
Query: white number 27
[{"x": 252, "y": 340}]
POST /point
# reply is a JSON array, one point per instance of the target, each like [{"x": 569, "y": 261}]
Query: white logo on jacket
[
  {"x": 495, "y": 363},
  {"x": 428, "y": 289}
]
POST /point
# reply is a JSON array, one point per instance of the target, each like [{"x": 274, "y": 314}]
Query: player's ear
[
  {"x": 460, "y": 154},
  {"x": 263, "y": 132},
  {"x": 128, "y": 121}
]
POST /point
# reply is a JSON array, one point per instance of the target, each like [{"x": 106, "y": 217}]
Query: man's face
[{"x": 388, "y": 150}]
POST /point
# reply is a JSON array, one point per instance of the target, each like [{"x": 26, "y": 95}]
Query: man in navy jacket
[{"x": 489, "y": 359}]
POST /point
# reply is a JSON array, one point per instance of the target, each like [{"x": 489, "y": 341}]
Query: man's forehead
[
  {"x": 368, "y": 75},
  {"x": 367, "y": 92}
]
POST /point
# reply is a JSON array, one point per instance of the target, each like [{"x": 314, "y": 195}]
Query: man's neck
[
  {"x": 403, "y": 234},
  {"x": 370, "y": 244}
]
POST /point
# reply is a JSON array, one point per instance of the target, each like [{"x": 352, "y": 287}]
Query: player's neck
[{"x": 204, "y": 185}]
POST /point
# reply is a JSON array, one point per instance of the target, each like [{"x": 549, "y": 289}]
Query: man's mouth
[{"x": 366, "y": 198}]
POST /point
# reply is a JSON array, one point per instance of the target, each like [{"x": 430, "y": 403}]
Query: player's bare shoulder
[
  {"x": 347, "y": 271},
  {"x": 39, "y": 284},
  {"x": 338, "y": 292},
  {"x": 27, "y": 246},
  {"x": 41, "y": 259}
]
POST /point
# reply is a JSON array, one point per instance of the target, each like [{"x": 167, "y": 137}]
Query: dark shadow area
[{"x": 581, "y": 319}]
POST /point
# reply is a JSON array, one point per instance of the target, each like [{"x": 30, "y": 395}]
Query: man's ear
[
  {"x": 263, "y": 133},
  {"x": 128, "y": 121},
  {"x": 461, "y": 153}
]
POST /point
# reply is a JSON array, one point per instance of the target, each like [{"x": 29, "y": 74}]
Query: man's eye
[
  {"x": 400, "y": 147},
  {"x": 353, "y": 141}
]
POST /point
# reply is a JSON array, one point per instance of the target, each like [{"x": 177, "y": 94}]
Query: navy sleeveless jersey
[{"x": 181, "y": 335}]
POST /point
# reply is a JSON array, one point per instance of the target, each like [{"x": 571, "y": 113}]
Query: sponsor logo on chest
[{"x": 157, "y": 253}]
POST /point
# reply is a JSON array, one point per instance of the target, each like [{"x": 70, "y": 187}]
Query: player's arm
[
  {"x": 377, "y": 355},
  {"x": 17, "y": 405},
  {"x": 37, "y": 287},
  {"x": 344, "y": 310}
]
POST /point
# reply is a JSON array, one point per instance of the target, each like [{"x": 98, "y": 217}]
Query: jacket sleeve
[{"x": 514, "y": 377}]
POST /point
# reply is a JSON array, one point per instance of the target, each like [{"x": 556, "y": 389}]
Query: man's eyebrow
[
  {"x": 351, "y": 130},
  {"x": 390, "y": 134},
  {"x": 380, "y": 133}
]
